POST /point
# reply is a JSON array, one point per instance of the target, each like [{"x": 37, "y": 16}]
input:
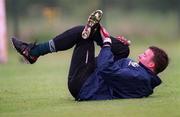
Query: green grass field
[{"x": 40, "y": 90}]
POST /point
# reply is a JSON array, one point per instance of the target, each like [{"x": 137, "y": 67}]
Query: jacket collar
[{"x": 155, "y": 80}]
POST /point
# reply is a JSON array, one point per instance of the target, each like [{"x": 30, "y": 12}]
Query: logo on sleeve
[{"x": 134, "y": 64}]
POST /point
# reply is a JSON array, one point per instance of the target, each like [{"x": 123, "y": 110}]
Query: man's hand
[
  {"x": 123, "y": 40},
  {"x": 105, "y": 37}
]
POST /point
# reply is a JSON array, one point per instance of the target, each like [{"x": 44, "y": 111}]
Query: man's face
[{"x": 146, "y": 59}]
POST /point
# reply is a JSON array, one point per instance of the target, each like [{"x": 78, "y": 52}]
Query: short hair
[{"x": 160, "y": 59}]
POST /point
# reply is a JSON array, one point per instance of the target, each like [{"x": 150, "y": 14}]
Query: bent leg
[
  {"x": 64, "y": 41},
  {"x": 83, "y": 57},
  {"x": 82, "y": 65},
  {"x": 68, "y": 39}
]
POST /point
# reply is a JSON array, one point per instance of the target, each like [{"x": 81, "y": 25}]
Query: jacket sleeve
[
  {"x": 105, "y": 57},
  {"x": 112, "y": 72}
]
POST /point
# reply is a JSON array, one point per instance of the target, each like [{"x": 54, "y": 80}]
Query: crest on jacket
[{"x": 132, "y": 63}]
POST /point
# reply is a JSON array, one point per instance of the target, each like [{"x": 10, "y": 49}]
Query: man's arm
[
  {"x": 109, "y": 70},
  {"x": 105, "y": 56}
]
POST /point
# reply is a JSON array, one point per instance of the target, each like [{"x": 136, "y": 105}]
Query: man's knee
[
  {"x": 119, "y": 49},
  {"x": 77, "y": 29}
]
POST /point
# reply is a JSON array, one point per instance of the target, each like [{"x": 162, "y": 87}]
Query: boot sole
[{"x": 93, "y": 19}]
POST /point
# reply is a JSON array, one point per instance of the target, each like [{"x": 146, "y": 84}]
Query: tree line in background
[
  {"x": 19, "y": 8},
  {"x": 66, "y": 5}
]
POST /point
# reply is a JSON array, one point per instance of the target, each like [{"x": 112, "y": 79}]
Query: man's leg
[
  {"x": 64, "y": 41},
  {"x": 82, "y": 65},
  {"x": 61, "y": 42}
]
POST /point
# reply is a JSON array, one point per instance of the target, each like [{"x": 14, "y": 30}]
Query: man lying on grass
[{"x": 110, "y": 75}]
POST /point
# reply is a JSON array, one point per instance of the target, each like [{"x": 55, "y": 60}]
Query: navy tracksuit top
[{"x": 118, "y": 79}]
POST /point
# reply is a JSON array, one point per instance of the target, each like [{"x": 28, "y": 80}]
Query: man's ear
[{"x": 151, "y": 65}]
